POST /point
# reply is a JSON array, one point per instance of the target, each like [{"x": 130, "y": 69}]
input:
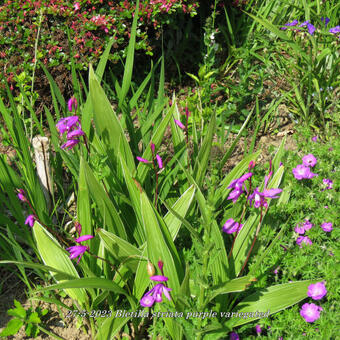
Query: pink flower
[
  {"x": 72, "y": 103},
  {"x": 155, "y": 295},
  {"x": 143, "y": 160},
  {"x": 159, "y": 161},
  {"x": 303, "y": 240},
  {"x": 234, "y": 336},
  {"x": 76, "y": 251},
  {"x": 179, "y": 123},
  {"x": 30, "y": 220},
  {"x": 70, "y": 144},
  {"x": 77, "y": 6},
  {"x": 83, "y": 238},
  {"x": 301, "y": 171},
  {"x": 299, "y": 230},
  {"x": 309, "y": 160},
  {"x": 310, "y": 312},
  {"x": 317, "y": 291},
  {"x": 21, "y": 195},
  {"x": 159, "y": 278},
  {"x": 68, "y": 123},
  {"x": 258, "y": 329},
  {"x": 327, "y": 227},
  {"x": 231, "y": 226},
  {"x": 315, "y": 138}
]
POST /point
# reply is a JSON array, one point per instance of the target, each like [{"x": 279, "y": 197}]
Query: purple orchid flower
[
  {"x": 72, "y": 102},
  {"x": 155, "y": 295},
  {"x": 231, "y": 226},
  {"x": 159, "y": 161},
  {"x": 71, "y": 143},
  {"x": 179, "y": 123},
  {"x": 66, "y": 124},
  {"x": 76, "y": 251},
  {"x": 30, "y": 220},
  {"x": 21, "y": 195},
  {"x": 143, "y": 160}
]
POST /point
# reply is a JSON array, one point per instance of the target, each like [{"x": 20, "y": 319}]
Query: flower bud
[{"x": 150, "y": 269}]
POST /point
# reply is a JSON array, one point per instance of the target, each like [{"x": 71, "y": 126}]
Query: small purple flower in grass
[
  {"x": 71, "y": 143},
  {"x": 234, "y": 336},
  {"x": 327, "y": 226},
  {"x": 310, "y": 312},
  {"x": 234, "y": 195},
  {"x": 179, "y": 123},
  {"x": 72, "y": 102},
  {"x": 307, "y": 225},
  {"x": 159, "y": 161},
  {"x": 328, "y": 183},
  {"x": 299, "y": 230},
  {"x": 310, "y": 27},
  {"x": 315, "y": 139},
  {"x": 143, "y": 160},
  {"x": 327, "y": 20},
  {"x": 30, "y": 220},
  {"x": 258, "y": 329},
  {"x": 309, "y": 160},
  {"x": 76, "y": 251},
  {"x": 334, "y": 30},
  {"x": 303, "y": 240},
  {"x": 293, "y": 23},
  {"x": 231, "y": 226},
  {"x": 317, "y": 291}
]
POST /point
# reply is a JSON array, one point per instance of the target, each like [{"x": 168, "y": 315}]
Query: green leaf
[
  {"x": 34, "y": 317},
  {"x": 123, "y": 251},
  {"x": 19, "y": 311},
  {"x": 180, "y": 208},
  {"x": 55, "y": 256},
  {"x": 270, "y": 300},
  {"x": 160, "y": 244},
  {"x": 236, "y": 285},
  {"x": 201, "y": 163},
  {"x": 105, "y": 206},
  {"x": 128, "y": 67},
  {"x": 107, "y": 124},
  {"x": 12, "y": 327}
]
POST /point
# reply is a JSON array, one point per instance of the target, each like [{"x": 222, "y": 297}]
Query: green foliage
[{"x": 30, "y": 318}]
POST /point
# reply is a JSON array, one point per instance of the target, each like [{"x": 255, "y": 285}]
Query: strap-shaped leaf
[
  {"x": 236, "y": 285},
  {"x": 120, "y": 249},
  {"x": 201, "y": 163},
  {"x": 107, "y": 123},
  {"x": 105, "y": 207},
  {"x": 160, "y": 244},
  {"x": 55, "y": 256},
  {"x": 181, "y": 207},
  {"x": 271, "y": 299}
]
